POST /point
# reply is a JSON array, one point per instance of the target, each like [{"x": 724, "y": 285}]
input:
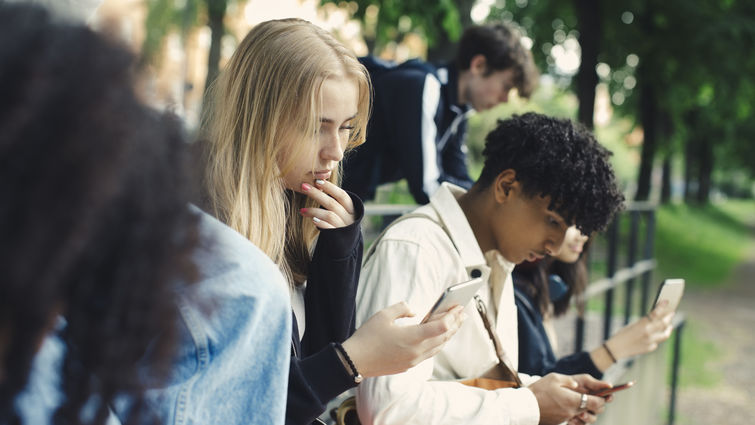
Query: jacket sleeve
[
  {"x": 332, "y": 284},
  {"x": 536, "y": 355},
  {"x": 410, "y": 271},
  {"x": 312, "y": 382}
]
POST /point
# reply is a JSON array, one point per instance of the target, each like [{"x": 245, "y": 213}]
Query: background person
[
  {"x": 418, "y": 126},
  {"x": 544, "y": 290}
]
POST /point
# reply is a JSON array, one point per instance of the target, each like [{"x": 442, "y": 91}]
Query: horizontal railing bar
[
  {"x": 371, "y": 209},
  {"x": 602, "y": 285}
]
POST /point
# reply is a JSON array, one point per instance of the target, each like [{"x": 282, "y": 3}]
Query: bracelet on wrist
[
  {"x": 354, "y": 372},
  {"x": 610, "y": 354}
]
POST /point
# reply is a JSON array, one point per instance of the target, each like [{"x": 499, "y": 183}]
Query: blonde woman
[{"x": 291, "y": 101}]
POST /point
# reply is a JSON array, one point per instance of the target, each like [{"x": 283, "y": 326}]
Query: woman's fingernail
[
  {"x": 305, "y": 187},
  {"x": 319, "y": 181},
  {"x": 303, "y": 210},
  {"x": 316, "y": 220}
]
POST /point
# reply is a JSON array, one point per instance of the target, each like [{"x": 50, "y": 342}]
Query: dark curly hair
[
  {"x": 501, "y": 45},
  {"x": 93, "y": 217},
  {"x": 557, "y": 158}
]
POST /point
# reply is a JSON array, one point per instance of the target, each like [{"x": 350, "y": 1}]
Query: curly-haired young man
[{"x": 541, "y": 175}]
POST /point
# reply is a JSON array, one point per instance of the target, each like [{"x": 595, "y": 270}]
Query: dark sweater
[{"x": 316, "y": 374}]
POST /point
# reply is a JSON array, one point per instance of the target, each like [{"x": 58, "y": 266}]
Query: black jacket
[
  {"x": 394, "y": 148},
  {"x": 316, "y": 374},
  {"x": 536, "y": 355}
]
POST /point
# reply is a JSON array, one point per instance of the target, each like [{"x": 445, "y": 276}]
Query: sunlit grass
[
  {"x": 698, "y": 357},
  {"x": 702, "y": 244}
]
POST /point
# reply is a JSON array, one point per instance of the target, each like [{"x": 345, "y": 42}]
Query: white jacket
[{"x": 414, "y": 262}]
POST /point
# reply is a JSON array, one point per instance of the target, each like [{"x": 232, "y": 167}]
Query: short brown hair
[{"x": 501, "y": 44}]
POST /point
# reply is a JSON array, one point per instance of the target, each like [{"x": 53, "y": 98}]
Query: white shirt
[{"x": 415, "y": 261}]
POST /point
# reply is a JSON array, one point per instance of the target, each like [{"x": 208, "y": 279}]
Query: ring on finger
[{"x": 583, "y": 402}]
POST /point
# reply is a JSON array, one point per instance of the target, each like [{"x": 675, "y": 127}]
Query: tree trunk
[
  {"x": 689, "y": 164},
  {"x": 706, "y": 170},
  {"x": 215, "y": 15},
  {"x": 590, "y": 34},
  {"x": 648, "y": 112},
  {"x": 666, "y": 180},
  {"x": 690, "y": 157}
]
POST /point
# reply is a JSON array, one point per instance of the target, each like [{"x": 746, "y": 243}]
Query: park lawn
[{"x": 703, "y": 244}]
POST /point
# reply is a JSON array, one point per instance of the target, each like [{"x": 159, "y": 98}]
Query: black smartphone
[{"x": 458, "y": 294}]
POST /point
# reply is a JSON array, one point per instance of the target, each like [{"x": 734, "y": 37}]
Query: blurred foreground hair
[{"x": 93, "y": 217}]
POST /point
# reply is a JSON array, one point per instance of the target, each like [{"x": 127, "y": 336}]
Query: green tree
[
  {"x": 680, "y": 64},
  {"x": 439, "y": 22}
]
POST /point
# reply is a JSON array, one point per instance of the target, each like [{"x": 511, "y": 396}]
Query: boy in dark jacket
[{"x": 418, "y": 124}]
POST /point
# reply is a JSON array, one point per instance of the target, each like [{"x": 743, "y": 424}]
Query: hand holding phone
[
  {"x": 607, "y": 391},
  {"x": 458, "y": 294}
]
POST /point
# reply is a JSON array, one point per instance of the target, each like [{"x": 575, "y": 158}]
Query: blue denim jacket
[
  {"x": 234, "y": 337},
  {"x": 231, "y": 365}
]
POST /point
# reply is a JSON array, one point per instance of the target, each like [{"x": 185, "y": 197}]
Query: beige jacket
[{"x": 415, "y": 261}]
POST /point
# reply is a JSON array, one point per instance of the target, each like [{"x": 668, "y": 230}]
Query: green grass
[
  {"x": 698, "y": 357},
  {"x": 703, "y": 244}
]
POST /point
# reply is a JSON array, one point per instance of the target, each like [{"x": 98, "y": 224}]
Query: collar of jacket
[{"x": 453, "y": 220}]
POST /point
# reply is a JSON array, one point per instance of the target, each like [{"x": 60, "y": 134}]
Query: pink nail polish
[
  {"x": 305, "y": 187},
  {"x": 302, "y": 210}
]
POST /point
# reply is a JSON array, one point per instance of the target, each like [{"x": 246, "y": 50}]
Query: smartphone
[
  {"x": 607, "y": 391},
  {"x": 458, "y": 294},
  {"x": 671, "y": 290}
]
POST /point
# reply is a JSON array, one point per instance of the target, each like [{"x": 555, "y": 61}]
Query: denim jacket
[
  {"x": 232, "y": 353},
  {"x": 231, "y": 363}
]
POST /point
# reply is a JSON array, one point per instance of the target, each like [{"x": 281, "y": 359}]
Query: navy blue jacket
[
  {"x": 394, "y": 147},
  {"x": 536, "y": 355},
  {"x": 316, "y": 373}
]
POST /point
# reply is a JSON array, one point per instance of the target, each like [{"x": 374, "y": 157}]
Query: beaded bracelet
[
  {"x": 610, "y": 354},
  {"x": 355, "y": 373}
]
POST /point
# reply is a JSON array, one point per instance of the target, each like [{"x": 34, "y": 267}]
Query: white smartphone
[
  {"x": 671, "y": 290},
  {"x": 458, "y": 294}
]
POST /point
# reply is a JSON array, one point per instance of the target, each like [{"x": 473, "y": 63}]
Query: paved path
[{"x": 726, "y": 318}]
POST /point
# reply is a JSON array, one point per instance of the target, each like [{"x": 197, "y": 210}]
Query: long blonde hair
[{"x": 264, "y": 106}]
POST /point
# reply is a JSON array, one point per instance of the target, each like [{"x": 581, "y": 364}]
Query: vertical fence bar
[
  {"x": 647, "y": 254},
  {"x": 579, "y": 328},
  {"x": 613, "y": 242},
  {"x": 631, "y": 260},
  {"x": 675, "y": 372}
]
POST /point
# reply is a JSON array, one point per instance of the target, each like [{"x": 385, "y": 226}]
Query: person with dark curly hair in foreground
[
  {"x": 95, "y": 229},
  {"x": 541, "y": 175},
  {"x": 110, "y": 280}
]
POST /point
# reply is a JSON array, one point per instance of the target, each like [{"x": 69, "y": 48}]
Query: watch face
[{"x": 358, "y": 378}]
